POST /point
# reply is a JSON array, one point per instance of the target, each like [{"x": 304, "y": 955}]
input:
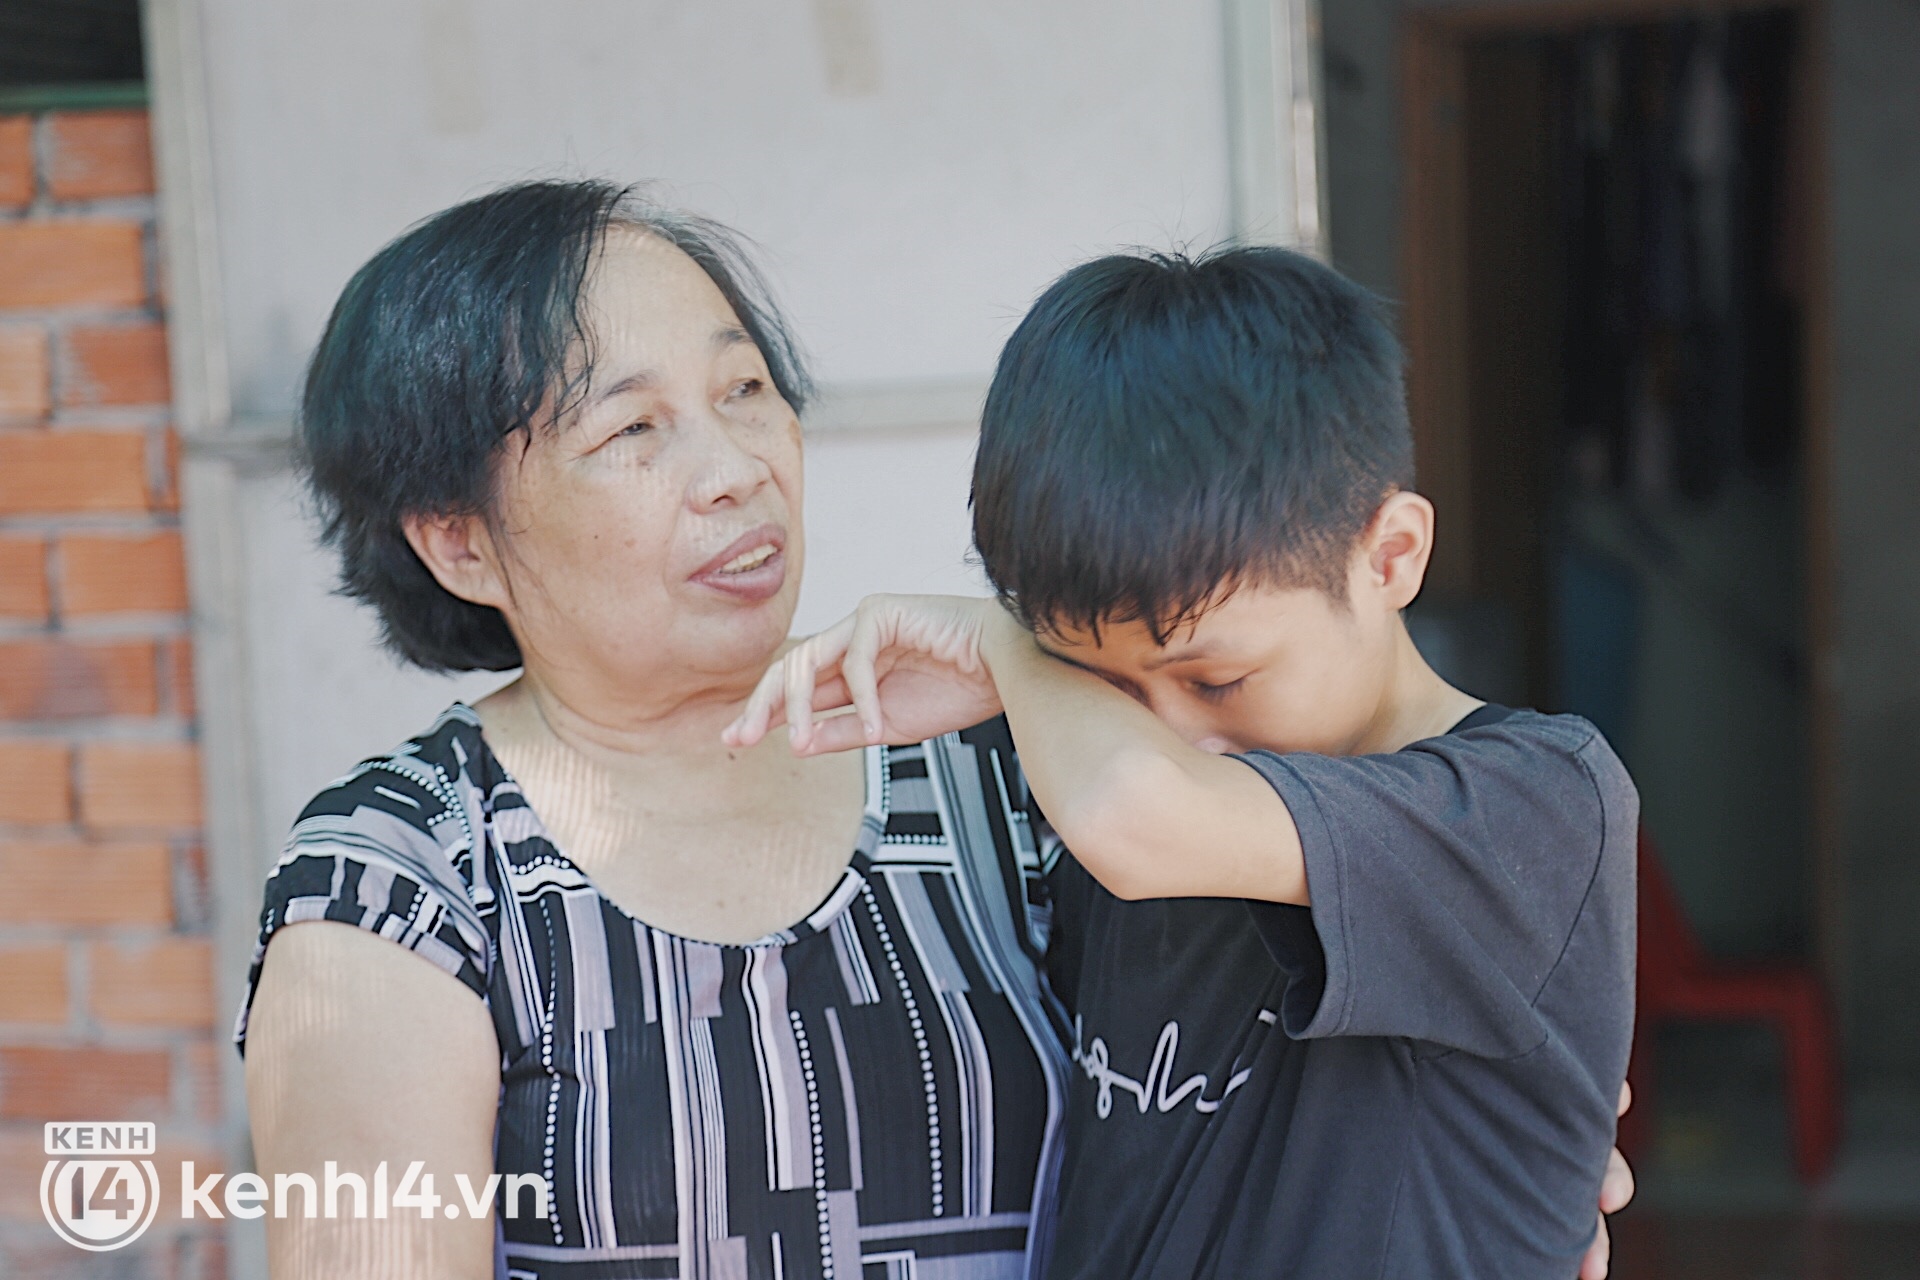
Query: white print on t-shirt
[{"x": 1094, "y": 1059}]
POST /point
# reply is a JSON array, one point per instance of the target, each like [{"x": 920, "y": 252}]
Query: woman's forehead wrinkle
[
  {"x": 725, "y": 337},
  {"x": 590, "y": 400},
  {"x": 632, "y": 293},
  {"x": 640, "y": 380}
]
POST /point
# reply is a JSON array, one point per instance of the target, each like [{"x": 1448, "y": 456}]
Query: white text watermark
[{"x": 101, "y": 1190}]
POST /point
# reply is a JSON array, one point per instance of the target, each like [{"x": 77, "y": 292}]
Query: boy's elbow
[
  {"x": 1133, "y": 887},
  {"x": 1115, "y": 857},
  {"x": 1112, "y": 828}
]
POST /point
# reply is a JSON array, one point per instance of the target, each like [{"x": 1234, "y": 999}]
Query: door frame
[{"x": 1434, "y": 40}]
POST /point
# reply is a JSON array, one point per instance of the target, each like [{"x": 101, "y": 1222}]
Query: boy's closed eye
[{"x": 1216, "y": 692}]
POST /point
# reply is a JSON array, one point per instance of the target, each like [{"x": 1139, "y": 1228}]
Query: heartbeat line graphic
[{"x": 1155, "y": 1090}]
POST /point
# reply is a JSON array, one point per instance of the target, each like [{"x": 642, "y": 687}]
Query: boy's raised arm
[{"x": 1147, "y": 814}]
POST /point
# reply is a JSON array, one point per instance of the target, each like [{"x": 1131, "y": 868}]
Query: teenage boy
[{"x": 1348, "y": 953}]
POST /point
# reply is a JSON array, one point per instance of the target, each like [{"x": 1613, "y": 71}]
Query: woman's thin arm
[{"x": 358, "y": 1052}]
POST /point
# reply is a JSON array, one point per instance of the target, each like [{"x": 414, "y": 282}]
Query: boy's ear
[
  {"x": 460, "y": 553},
  {"x": 1398, "y": 545}
]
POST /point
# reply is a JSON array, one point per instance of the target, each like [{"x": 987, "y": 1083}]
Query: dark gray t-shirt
[{"x": 1415, "y": 1077}]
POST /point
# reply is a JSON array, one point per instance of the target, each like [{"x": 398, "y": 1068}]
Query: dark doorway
[
  {"x": 1609, "y": 311},
  {"x": 1616, "y": 331}
]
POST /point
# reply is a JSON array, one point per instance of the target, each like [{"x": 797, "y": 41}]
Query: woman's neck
[
  {"x": 608, "y": 726},
  {"x": 721, "y": 844}
]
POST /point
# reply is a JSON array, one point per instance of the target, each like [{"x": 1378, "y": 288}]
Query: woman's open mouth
[
  {"x": 751, "y": 560},
  {"x": 753, "y": 567}
]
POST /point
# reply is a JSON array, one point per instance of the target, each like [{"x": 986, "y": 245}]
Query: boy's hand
[{"x": 909, "y": 666}]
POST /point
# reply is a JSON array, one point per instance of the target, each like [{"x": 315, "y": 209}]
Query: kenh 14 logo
[{"x": 100, "y": 1189}]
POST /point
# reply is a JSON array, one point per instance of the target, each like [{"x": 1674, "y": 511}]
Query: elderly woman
[{"x": 711, "y": 1012}]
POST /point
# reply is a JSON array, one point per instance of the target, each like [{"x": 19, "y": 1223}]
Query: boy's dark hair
[
  {"x": 463, "y": 331},
  {"x": 1161, "y": 426}
]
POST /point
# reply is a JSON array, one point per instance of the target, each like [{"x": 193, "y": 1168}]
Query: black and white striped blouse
[{"x": 869, "y": 1094}]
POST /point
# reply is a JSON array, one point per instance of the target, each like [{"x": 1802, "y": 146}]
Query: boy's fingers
[
  {"x": 1599, "y": 1255},
  {"x": 804, "y": 663},
  {"x": 863, "y": 685},
  {"x": 1616, "y": 1189},
  {"x": 765, "y": 710},
  {"x": 837, "y": 733},
  {"x": 798, "y": 698},
  {"x": 770, "y": 702},
  {"x": 831, "y": 694},
  {"x": 757, "y": 715}
]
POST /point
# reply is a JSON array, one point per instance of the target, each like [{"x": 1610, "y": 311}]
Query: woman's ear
[
  {"x": 459, "y": 552},
  {"x": 1399, "y": 544}
]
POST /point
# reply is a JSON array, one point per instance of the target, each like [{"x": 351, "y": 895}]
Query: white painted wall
[
  {"x": 913, "y": 173},
  {"x": 914, "y": 170}
]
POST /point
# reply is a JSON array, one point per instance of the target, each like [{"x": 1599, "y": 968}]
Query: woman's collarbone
[
  {"x": 744, "y": 874},
  {"x": 721, "y": 890}
]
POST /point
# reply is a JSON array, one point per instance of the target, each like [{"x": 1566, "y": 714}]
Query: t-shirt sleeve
[
  {"x": 1446, "y": 880},
  {"x": 379, "y": 851}
]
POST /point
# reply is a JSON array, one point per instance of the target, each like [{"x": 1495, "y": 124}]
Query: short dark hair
[
  {"x": 463, "y": 331},
  {"x": 1164, "y": 425}
]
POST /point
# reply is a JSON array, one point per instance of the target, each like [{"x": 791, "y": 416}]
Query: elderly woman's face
[{"x": 657, "y": 528}]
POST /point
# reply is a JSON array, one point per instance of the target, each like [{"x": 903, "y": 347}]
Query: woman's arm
[{"x": 359, "y": 1051}]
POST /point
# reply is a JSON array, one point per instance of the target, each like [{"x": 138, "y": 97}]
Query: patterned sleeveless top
[{"x": 868, "y": 1095}]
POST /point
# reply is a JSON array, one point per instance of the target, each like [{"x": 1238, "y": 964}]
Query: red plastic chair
[{"x": 1678, "y": 980}]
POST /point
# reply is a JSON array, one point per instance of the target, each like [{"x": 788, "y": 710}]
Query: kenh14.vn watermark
[{"x": 101, "y": 1190}]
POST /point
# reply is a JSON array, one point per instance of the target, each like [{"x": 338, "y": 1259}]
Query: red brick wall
[{"x": 106, "y": 996}]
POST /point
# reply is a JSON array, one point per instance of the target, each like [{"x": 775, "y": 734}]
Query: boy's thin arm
[{"x": 1148, "y": 815}]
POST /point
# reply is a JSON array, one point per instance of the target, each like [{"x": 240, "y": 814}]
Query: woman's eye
[
  {"x": 639, "y": 428},
  {"x": 1213, "y": 692},
  {"x": 750, "y": 387}
]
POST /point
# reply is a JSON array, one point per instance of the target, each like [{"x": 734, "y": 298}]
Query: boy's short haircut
[{"x": 1162, "y": 425}]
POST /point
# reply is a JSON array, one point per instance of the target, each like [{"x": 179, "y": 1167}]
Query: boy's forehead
[
  {"x": 1111, "y": 639},
  {"x": 1222, "y": 626},
  {"x": 1135, "y": 643}
]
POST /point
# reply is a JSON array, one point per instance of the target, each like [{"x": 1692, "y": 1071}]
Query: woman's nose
[{"x": 730, "y": 471}]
